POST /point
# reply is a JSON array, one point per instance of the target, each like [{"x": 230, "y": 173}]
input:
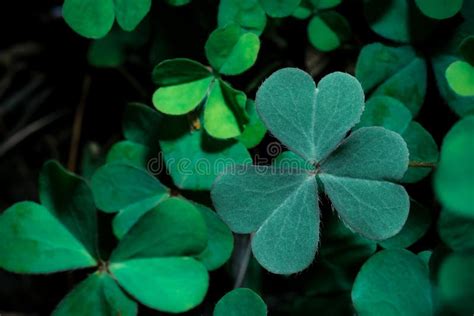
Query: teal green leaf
[
  {"x": 152, "y": 261},
  {"x": 455, "y": 284},
  {"x": 291, "y": 161},
  {"x": 325, "y": 113},
  {"x": 240, "y": 302},
  {"x": 328, "y": 30},
  {"x": 371, "y": 153},
  {"x": 417, "y": 224},
  {"x": 397, "y": 20},
  {"x": 393, "y": 282},
  {"x": 279, "y": 8},
  {"x": 454, "y": 177},
  {"x": 396, "y": 72},
  {"x": 456, "y": 231},
  {"x": 325, "y": 4},
  {"x": 130, "y": 13},
  {"x": 461, "y": 105},
  {"x": 467, "y": 49},
  {"x": 425, "y": 256},
  {"x": 422, "y": 148},
  {"x": 224, "y": 112},
  {"x": 176, "y": 71},
  {"x": 387, "y": 112},
  {"x": 248, "y": 14},
  {"x": 178, "y": 3},
  {"x": 36, "y": 241},
  {"x": 439, "y": 9},
  {"x": 194, "y": 159},
  {"x": 130, "y": 153},
  {"x": 119, "y": 186},
  {"x": 254, "y": 130},
  {"x": 220, "y": 242},
  {"x": 168, "y": 284},
  {"x": 279, "y": 206},
  {"x": 173, "y": 228},
  {"x": 98, "y": 295},
  {"x": 460, "y": 77},
  {"x": 89, "y": 18},
  {"x": 141, "y": 124},
  {"x": 69, "y": 199},
  {"x": 231, "y": 51},
  {"x": 375, "y": 209}
]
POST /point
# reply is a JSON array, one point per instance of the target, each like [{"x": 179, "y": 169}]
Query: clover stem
[
  {"x": 422, "y": 164},
  {"x": 244, "y": 263}
]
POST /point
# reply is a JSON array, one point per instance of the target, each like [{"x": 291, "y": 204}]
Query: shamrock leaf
[
  {"x": 248, "y": 14},
  {"x": 231, "y": 51},
  {"x": 381, "y": 288},
  {"x": 393, "y": 115},
  {"x": 460, "y": 77},
  {"x": 255, "y": 130},
  {"x": 396, "y": 72},
  {"x": 60, "y": 234},
  {"x": 280, "y": 205},
  {"x": 456, "y": 231},
  {"x": 439, "y": 9},
  {"x": 328, "y": 30},
  {"x": 240, "y": 302},
  {"x": 153, "y": 261},
  {"x": 454, "y": 177},
  {"x": 99, "y": 294},
  {"x": 127, "y": 152},
  {"x": 94, "y": 18},
  {"x": 279, "y": 8}
]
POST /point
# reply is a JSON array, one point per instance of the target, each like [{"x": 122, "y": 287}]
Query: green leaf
[
  {"x": 456, "y": 231},
  {"x": 240, "y": 302},
  {"x": 386, "y": 112},
  {"x": 467, "y": 49},
  {"x": 94, "y": 18},
  {"x": 328, "y": 30},
  {"x": 178, "y": 3},
  {"x": 422, "y": 148},
  {"x": 220, "y": 243},
  {"x": 119, "y": 186},
  {"x": 325, "y": 4},
  {"x": 130, "y": 153},
  {"x": 460, "y": 77},
  {"x": 324, "y": 115},
  {"x": 279, "y": 8},
  {"x": 455, "y": 284},
  {"x": 130, "y": 13},
  {"x": 152, "y": 261},
  {"x": 69, "y": 199},
  {"x": 92, "y": 158},
  {"x": 89, "y": 18},
  {"x": 176, "y": 71},
  {"x": 417, "y": 224},
  {"x": 35, "y": 241},
  {"x": 461, "y": 105},
  {"x": 393, "y": 282},
  {"x": 397, "y": 20},
  {"x": 98, "y": 295},
  {"x": 279, "y": 206},
  {"x": 141, "y": 124},
  {"x": 248, "y": 14},
  {"x": 194, "y": 159},
  {"x": 439, "y": 9},
  {"x": 395, "y": 72},
  {"x": 454, "y": 177},
  {"x": 254, "y": 130},
  {"x": 224, "y": 112},
  {"x": 231, "y": 51},
  {"x": 291, "y": 161}
]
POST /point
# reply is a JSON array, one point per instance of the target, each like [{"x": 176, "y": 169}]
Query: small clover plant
[
  {"x": 280, "y": 205},
  {"x": 185, "y": 84},
  {"x": 160, "y": 260}
]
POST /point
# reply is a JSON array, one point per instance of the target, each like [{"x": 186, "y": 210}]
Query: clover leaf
[
  {"x": 95, "y": 18},
  {"x": 240, "y": 302},
  {"x": 393, "y": 115},
  {"x": 328, "y": 30},
  {"x": 248, "y": 14},
  {"x": 279, "y": 8},
  {"x": 280, "y": 205},
  {"x": 454, "y": 177},
  {"x": 157, "y": 260},
  {"x": 396, "y": 72},
  {"x": 380, "y": 286},
  {"x": 460, "y": 77},
  {"x": 133, "y": 193},
  {"x": 439, "y": 9},
  {"x": 456, "y": 231}
]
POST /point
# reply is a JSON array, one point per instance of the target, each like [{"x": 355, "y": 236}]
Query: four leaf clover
[{"x": 280, "y": 205}]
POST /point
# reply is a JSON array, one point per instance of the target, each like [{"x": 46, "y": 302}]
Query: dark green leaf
[
  {"x": 240, "y": 302},
  {"x": 89, "y": 18},
  {"x": 456, "y": 231},
  {"x": 439, "y": 9},
  {"x": 247, "y": 13},
  {"x": 141, "y": 124},
  {"x": 279, "y": 8},
  {"x": 130, "y": 153},
  {"x": 254, "y": 130},
  {"x": 328, "y": 30}
]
